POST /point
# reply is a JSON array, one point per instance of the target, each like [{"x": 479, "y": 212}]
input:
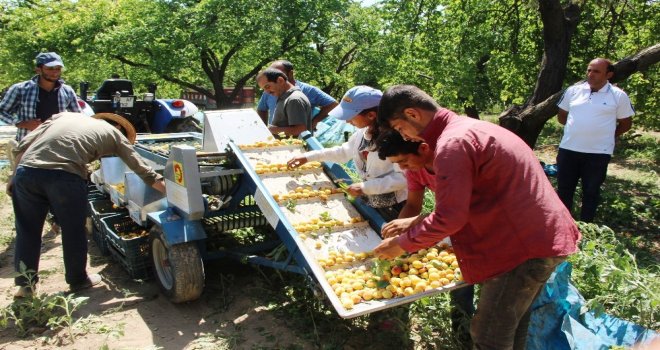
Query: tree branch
[
  {"x": 346, "y": 60},
  {"x": 169, "y": 78},
  {"x": 638, "y": 62}
]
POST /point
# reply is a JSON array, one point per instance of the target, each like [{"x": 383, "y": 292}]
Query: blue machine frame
[{"x": 177, "y": 229}]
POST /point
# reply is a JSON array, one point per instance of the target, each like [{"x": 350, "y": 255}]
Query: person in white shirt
[
  {"x": 383, "y": 185},
  {"x": 594, "y": 113}
]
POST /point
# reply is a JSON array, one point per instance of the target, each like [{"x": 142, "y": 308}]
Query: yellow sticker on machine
[{"x": 178, "y": 173}]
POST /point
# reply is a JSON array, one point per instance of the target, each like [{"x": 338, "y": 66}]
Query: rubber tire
[{"x": 178, "y": 269}]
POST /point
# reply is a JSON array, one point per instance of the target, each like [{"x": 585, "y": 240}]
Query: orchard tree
[
  {"x": 560, "y": 23},
  {"x": 210, "y": 45},
  {"x": 203, "y": 46}
]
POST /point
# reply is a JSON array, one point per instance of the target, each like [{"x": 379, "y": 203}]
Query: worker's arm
[
  {"x": 10, "y": 179},
  {"x": 263, "y": 108},
  {"x": 408, "y": 217},
  {"x": 263, "y": 115},
  {"x": 9, "y": 105},
  {"x": 130, "y": 157},
  {"x": 562, "y": 116},
  {"x": 29, "y": 124},
  {"x": 293, "y": 130},
  {"x": 159, "y": 185},
  {"x": 73, "y": 105},
  {"x": 622, "y": 126},
  {"x": 297, "y": 111},
  {"x": 18, "y": 155},
  {"x": 413, "y": 204},
  {"x": 564, "y": 104},
  {"x": 323, "y": 113}
]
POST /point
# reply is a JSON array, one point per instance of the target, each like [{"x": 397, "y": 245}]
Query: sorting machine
[{"x": 227, "y": 179}]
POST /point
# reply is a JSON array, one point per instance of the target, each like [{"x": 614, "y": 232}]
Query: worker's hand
[
  {"x": 389, "y": 248},
  {"x": 355, "y": 190},
  {"x": 296, "y": 161},
  {"x": 159, "y": 185},
  {"x": 397, "y": 227},
  {"x": 29, "y": 124}
]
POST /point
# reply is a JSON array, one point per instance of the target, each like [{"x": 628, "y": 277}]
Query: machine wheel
[{"x": 178, "y": 269}]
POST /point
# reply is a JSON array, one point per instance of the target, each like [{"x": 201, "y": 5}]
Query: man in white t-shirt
[{"x": 594, "y": 113}]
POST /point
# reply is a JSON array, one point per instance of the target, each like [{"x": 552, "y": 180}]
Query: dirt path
[{"x": 126, "y": 314}]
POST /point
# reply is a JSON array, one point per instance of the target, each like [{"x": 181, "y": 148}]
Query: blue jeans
[
  {"x": 592, "y": 169},
  {"x": 502, "y": 317},
  {"x": 34, "y": 192}
]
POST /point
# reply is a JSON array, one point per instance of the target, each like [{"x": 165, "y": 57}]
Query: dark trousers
[
  {"x": 462, "y": 309},
  {"x": 391, "y": 213},
  {"x": 34, "y": 192},
  {"x": 592, "y": 169},
  {"x": 502, "y": 317}
]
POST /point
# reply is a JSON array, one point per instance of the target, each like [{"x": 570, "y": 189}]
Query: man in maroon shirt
[
  {"x": 416, "y": 160},
  {"x": 508, "y": 227}
]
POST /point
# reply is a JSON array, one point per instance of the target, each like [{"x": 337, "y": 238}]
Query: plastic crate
[
  {"x": 137, "y": 270},
  {"x": 99, "y": 239},
  {"x": 101, "y": 208},
  {"x": 132, "y": 253},
  {"x": 96, "y": 195}
]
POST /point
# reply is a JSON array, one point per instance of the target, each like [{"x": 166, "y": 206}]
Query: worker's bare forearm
[
  {"x": 623, "y": 126},
  {"x": 293, "y": 131}
]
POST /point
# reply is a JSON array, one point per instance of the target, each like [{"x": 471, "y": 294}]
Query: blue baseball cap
[
  {"x": 356, "y": 100},
  {"x": 49, "y": 59}
]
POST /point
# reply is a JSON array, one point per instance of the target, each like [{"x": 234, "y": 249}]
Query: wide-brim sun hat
[
  {"x": 356, "y": 100},
  {"x": 131, "y": 135}
]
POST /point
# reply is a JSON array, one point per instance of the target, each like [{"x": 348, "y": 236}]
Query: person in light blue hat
[{"x": 383, "y": 185}]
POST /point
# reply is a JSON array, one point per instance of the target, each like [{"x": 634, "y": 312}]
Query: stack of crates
[
  {"x": 93, "y": 193},
  {"x": 98, "y": 209},
  {"x": 128, "y": 244}
]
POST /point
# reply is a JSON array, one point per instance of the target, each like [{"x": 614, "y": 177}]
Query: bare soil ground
[{"x": 125, "y": 314}]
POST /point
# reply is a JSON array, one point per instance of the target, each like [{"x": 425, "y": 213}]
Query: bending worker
[{"x": 51, "y": 173}]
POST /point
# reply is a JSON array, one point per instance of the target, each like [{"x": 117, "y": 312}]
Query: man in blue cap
[{"x": 29, "y": 103}]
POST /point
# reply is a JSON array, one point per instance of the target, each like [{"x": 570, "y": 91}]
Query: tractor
[{"x": 147, "y": 114}]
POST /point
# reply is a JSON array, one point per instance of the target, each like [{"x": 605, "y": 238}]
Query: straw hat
[{"x": 123, "y": 122}]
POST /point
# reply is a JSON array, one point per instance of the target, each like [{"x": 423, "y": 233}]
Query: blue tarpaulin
[{"x": 558, "y": 321}]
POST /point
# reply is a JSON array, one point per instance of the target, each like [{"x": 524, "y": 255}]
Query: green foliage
[
  {"x": 608, "y": 276},
  {"x": 433, "y": 318},
  {"x": 640, "y": 147},
  {"x": 290, "y": 204},
  {"x": 465, "y": 53},
  {"x": 52, "y": 311}
]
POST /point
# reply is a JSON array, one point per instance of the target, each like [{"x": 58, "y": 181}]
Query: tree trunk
[
  {"x": 527, "y": 122},
  {"x": 559, "y": 25}
]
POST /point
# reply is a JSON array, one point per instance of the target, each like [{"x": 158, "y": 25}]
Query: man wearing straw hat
[{"x": 51, "y": 174}]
